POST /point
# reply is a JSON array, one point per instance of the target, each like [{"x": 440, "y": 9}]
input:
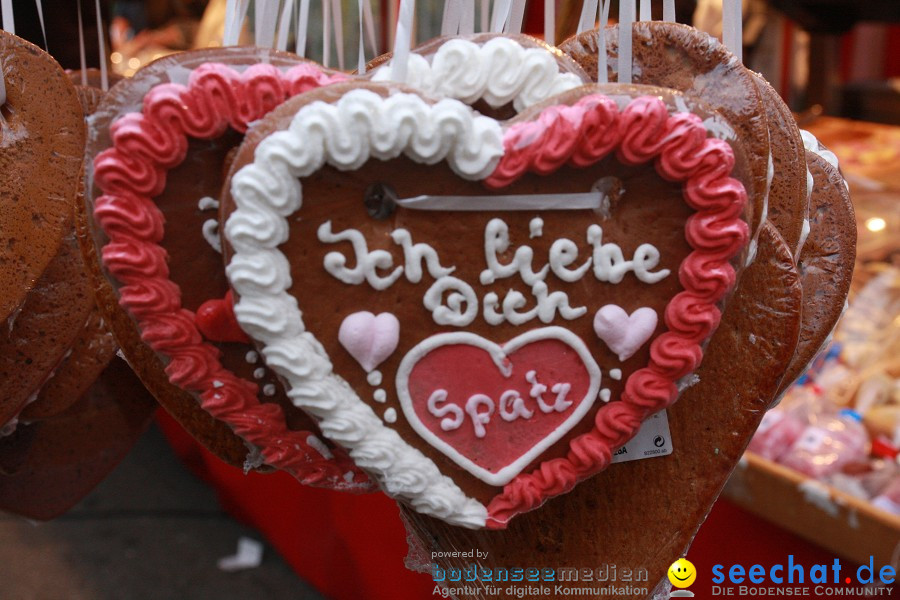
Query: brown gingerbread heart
[
  {"x": 42, "y": 132},
  {"x": 356, "y": 211}
]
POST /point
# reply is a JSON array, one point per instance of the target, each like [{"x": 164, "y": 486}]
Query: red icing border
[
  {"x": 584, "y": 134},
  {"x": 145, "y": 146}
]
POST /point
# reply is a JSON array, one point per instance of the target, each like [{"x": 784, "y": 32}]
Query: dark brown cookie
[
  {"x": 40, "y": 334},
  {"x": 50, "y": 465},
  {"x": 825, "y": 263},
  {"x": 788, "y": 195},
  {"x": 42, "y": 135}
]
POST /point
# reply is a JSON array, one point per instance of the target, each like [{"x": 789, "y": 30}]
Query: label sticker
[{"x": 652, "y": 439}]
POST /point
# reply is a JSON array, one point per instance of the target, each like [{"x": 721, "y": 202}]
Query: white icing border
[
  {"x": 360, "y": 125},
  {"x": 498, "y": 354},
  {"x": 499, "y": 71}
]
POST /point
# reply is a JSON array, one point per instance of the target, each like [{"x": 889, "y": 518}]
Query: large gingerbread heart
[
  {"x": 154, "y": 166},
  {"x": 471, "y": 375}
]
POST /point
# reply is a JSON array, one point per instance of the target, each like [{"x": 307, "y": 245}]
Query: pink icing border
[
  {"x": 145, "y": 146},
  {"x": 581, "y": 135}
]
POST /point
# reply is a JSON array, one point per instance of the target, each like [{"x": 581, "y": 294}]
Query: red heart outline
[
  {"x": 501, "y": 358},
  {"x": 581, "y": 135},
  {"x": 145, "y": 146}
]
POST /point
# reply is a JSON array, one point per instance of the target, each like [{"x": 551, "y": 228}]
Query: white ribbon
[
  {"x": 732, "y": 27},
  {"x": 9, "y": 25},
  {"x": 326, "y": 33},
  {"x": 467, "y": 18},
  {"x": 338, "y": 20},
  {"x": 40, "y": 11},
  {"x": 104, "y": 76},
  {"x": 646, "y": 11},
  {"x": 402, "y": 40},
  {"x": 302, "y": 27},
  {"x": 361, "y": 59},
  {"x": 284, "y": 25},
  {"x": 573, "y": 201},
  {"x": 588, "y": 10},
  {"x": 626, "y": 18},
  {"x": 603, "y": 9},
  {"x": 516, "y": 17},
  {"x": 370, "y": 27},
  {"x": 485, "y": 11},
  {"x": 500, "y": 15},
  {"x": 550, "y": 22},
  {"x": 669, "y": 11},
  {"x": 234, "y": 21},
  {"x": 450, "y": 20},
  {"x": 81, "y": 51}
]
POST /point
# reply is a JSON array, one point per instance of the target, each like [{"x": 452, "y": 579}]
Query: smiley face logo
[{"x": 682, "y": 573}]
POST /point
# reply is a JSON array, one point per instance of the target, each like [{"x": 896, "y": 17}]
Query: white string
[
  {"x": 485, "y": 11},
  {"x": 302, "y": 27},
  {"x": 402, "y": 40},
  {"x": 326, "y": 33},
  {"x": 338, "y": 19},
  {"x": 732, "y": 27},
  {"x": 603, "y": 9},
  {"x": 370, "y": 27},
  {"x": 550, "y": 21},
  {"x": 467, "y": 18},
  {"x": 104, "y": 76},
  {"x": 234, "y": 22},
  {"x": 9, "y": 25},
  {"x": 40, "y": 11},
  {"x": 516, "y": 17},
  {"x": 450, "y": 20},
  {"x": 230, "y": 10},
  {"x": 669, "y": 11},
  {"x": 284, "y": 25},
  {"x": 588, "y": 10},
  {"x": 267, "y": 22},
  {"x": 361, "y": 61},
  {"x": 626, "y": 18},
  {"x": 646, "y": 14},
  {"x": 9, "y": 22},
  {"x": 568, "y": 201},
  {"x": 81, "y": 51},
  {"x": 500, "y": 15}
]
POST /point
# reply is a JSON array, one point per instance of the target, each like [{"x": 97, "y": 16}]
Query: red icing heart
[
  {"x": 545, "y": 377},
  {"x": 215, "y": 320}
]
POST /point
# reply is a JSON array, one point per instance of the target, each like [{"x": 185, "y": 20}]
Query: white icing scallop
[
  {"x": 499, "y": 72},
  {"x": 359, "y": 126}
]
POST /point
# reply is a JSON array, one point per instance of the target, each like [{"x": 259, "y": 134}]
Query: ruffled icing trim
[
  {"x": 583, "y": 134},
  {"x": 145, "y": 146}
]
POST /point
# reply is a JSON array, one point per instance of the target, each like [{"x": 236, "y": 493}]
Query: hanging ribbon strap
[
  {"x": 626, "y": 18},
  {"x": 402, "y": 40}
]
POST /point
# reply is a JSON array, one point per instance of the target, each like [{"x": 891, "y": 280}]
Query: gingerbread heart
[
  {"x": 497, "y": 346},
  {"x": 158, "y": 147}
]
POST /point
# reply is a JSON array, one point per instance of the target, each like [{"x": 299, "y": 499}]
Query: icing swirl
[{"x": 129, "y": 174}]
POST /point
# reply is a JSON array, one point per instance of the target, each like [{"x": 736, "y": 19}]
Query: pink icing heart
[
  {"x": 624, "y": 333},
  {"x": 368, "y": 338}
]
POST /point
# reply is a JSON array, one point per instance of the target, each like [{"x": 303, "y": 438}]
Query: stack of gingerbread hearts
[
  {"x": 473, "y": 286},
  {"x": 60, "y": 381}
]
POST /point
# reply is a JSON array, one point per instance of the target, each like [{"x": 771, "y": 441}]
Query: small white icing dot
[
  {"x": 390, "y": 415},
  {"x": 374, "y": 377},
  {"x": 604, "y": 394},
  {"x": 207, "y": 203},
  {"x": 251, "y": 357},
  {"x": 319, "y": 447},
  {"x": 536, "y": 227},
  {"x": 218, "y": 384},
  {"x": 380, "y": 395},
  {"x": 269, "y": 389},
  {"x": 615, "y": 374},
  {"x": 259, "y": 373},
  {"x": 348, "y": 476},
  {"x": 752, "y": 339}
]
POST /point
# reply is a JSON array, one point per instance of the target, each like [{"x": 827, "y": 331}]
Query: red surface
[{"x": 352, "y": 547}]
